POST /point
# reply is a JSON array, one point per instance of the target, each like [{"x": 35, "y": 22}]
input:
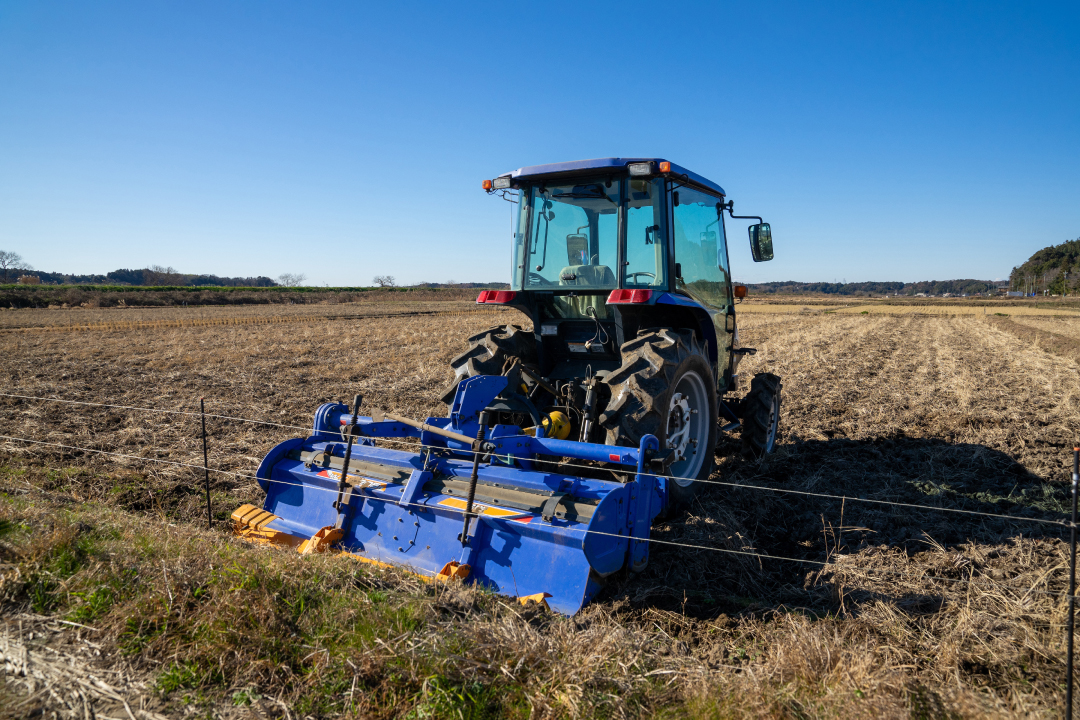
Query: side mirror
[
  {"x": 761, "y": 242},
  {"x": 740, "y": 291}
]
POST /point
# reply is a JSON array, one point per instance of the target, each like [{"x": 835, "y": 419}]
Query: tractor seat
[
  {"x": 588, "y": 276},
  {"x": 597, "y": 276}
]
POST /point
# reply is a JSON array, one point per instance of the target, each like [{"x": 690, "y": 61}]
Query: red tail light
[
  {"x": 622, "y": 297},
  {"x": 496, "y": 297}
]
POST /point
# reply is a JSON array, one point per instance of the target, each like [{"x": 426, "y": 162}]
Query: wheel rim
[
  {"x": 774, "y": 422},
  {"x": 687, "y": 430}
]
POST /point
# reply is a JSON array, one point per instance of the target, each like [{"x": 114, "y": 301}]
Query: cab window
[
  {"x": 700, "y": 247},
  {"x": 644, "y": 244},
  {"x": 573, "y": 237}
]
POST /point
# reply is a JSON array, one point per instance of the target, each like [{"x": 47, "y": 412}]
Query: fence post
[
  {"x": 1072, "y": 588},
  {"x": 206, "y": 472}
]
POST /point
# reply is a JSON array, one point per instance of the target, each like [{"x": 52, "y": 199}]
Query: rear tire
[
  {"x": 490, "y": 353},
  {"x": 665, "y": 388},
  {"x": 761, "y": 415}
]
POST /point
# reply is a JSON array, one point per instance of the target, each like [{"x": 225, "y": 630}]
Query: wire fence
[
  {"x": 559, "y": 465},
  {"x": 592, "y": 468},
  {"x": 584, "y": 532}
]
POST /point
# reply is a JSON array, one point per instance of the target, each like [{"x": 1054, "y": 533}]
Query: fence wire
[
  {"x": 559, "y": 464},
  {"x": 825, "y": 565}
]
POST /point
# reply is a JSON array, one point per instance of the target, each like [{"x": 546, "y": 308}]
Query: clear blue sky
[{"x": 883, "y": 141}]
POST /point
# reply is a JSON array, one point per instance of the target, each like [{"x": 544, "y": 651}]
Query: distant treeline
[
  {"x": 926, "y": 287},
  {"x": 104, "y": 296},
  {"x": 1049, "y": 270},
  {"x": 147, "y": 276}
]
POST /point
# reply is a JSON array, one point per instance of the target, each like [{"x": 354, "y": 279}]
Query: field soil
[{"x": 802, "y": 585}]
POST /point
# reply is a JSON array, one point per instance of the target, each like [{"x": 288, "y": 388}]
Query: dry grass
[
  {"x": 917, "y": 613},
  {"x": 1059, "y": 326},
  {"x": 173, "y": 316}
]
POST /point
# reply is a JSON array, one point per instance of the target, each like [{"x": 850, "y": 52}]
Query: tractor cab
[{"x": 603, "y": 248}]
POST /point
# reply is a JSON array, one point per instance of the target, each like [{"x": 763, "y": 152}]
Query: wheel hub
[{"x": 678, "y": 429}]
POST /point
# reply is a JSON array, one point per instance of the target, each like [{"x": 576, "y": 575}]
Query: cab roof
[{"x": 601, "y": 164}]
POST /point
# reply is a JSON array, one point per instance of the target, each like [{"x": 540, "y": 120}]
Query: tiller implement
[
  {"x": 483, "y": 506},
  {"x": 567, "y": 435}
]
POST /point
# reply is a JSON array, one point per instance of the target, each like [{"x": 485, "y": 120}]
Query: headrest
[{"x": 577, "y": 250}]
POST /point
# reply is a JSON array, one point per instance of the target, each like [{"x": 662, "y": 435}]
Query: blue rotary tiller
[{"x": 487, "y": 506}]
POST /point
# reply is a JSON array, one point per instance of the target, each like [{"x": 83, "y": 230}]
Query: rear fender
[{"x": 701, "y": 317}]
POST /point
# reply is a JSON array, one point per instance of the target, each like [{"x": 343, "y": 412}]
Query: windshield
[{"x": 572, "y": 236}]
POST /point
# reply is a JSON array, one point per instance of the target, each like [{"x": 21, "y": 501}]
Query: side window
[
  {"x": 518, "y": 261},
  {"x": 700, "y": 247},
  {"x": 644, "y": 246}
]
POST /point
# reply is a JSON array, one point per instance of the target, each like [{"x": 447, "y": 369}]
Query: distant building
[{"x": 1014, "y": 293}]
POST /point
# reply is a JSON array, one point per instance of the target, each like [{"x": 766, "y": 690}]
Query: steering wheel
[
  {"x": 651, "y": 276},
  {"x": 538, "y": 279}
]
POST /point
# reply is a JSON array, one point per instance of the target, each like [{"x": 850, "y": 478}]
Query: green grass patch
[{"x": 445, "y": 698}]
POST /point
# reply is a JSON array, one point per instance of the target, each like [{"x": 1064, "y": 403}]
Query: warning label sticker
[
  {"x": 355, "y": 480},
  {"x": 489, "y": 510}
]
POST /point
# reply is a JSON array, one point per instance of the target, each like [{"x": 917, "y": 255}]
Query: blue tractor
[
  {"x": 621, "y": 266},
  {"x": 564, "y": 442}
]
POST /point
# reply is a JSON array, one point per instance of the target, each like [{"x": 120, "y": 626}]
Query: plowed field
[{"x": 896, "y": 611}]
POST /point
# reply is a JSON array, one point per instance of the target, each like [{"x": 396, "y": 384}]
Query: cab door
[{"x": 701, "y": 266}]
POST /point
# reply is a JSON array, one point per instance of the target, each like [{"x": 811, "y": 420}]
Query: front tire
[
  {"x": 761, "y": 415},
  {"x": 665, "y": 388}
]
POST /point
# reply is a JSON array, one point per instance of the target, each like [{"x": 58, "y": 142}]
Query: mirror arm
[{"x": 730, "y": 207}]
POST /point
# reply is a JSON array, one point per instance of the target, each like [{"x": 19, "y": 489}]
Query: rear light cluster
[
  {"x": 496, "y": 297},
  {"x": 620, "y": 297}
]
